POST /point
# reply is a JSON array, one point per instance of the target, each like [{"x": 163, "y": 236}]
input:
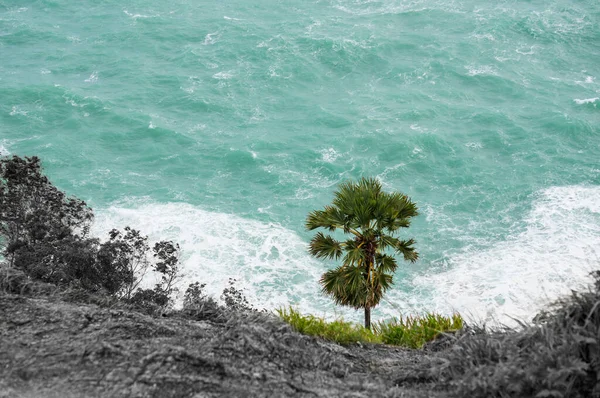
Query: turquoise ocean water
[{"x": 222, "y": 124}]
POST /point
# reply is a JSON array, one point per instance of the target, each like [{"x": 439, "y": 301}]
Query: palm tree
[{"x": 371, "y": 217}]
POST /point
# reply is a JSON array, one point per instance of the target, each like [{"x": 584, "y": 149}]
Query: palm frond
[
  {"x": 356, "y": 287},
  {"x": 387, "y": 241},
  {"x": 324, "y": 246},
  {"x": 334, "y": 284},
  {"x": 408, "y": 251},
  {"x": 382, "y": 282},
  {"x": 406, "y": 208},
  {"x": 354, "y": 252},
  {"x": 345, "y": 285},
  {"x": 386, "y": 263}
]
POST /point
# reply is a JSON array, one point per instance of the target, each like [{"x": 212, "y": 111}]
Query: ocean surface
[{"x": 221, "y": 124}]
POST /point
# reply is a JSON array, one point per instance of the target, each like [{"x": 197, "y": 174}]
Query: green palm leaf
[
  {"x": 408, "y": 251},
  {"x": 372, "y": 216},
  {"x": 324, "y": 246},
  {"x": 386, "y": 263}
]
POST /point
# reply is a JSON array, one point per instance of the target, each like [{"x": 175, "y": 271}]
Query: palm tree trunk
[{"x": 367, "y": 317}]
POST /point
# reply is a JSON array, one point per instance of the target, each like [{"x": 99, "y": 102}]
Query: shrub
[
  {"x": 33, "y": 211},
  {"x": 235, "y": 299},
  {"x": 125, "y": 258},
  {"x": 13, "y": 280},
  {"x": 167, "y": 266},
  {"x": 150, "y": 300},
  {"x": 198, "y": 305},
  {"x": 63, "y": 263},
  {"x": 43, "y": 233}
]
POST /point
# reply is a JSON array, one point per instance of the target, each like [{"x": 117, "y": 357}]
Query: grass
[
  {"x": 415, "y": 331},
  {"x": 339, "y": 330},
  {"x": 412, "y": 331},
  {"x": 558, "y": 356}
]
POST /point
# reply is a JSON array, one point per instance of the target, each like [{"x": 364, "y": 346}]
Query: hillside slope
[{"x": 52, "y": 348}]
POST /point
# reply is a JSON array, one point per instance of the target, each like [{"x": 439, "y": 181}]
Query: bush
[
  {"x": 43, "y": 233},
  {"x": 197, "y": 305},
  {"x": 150, "y": 300},
  {"x": 64, "y": 262},
  {"x": 235, "y": 299},
  {"x": 13, "y": 280},
  {"x": 33, "y": 211},
  {"x": 123, "y": 259}
]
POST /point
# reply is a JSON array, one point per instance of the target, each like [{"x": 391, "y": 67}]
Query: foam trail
[
  {"x": 511, "y": 279},
  {"x": 586, "y": 101},
  {"x": 270, "y": 262},
  {"x": 3, "y": 150},
  {"x": 516, "y": 278}
]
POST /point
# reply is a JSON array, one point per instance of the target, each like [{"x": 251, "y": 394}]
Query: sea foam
[
  {"x": 517, "y": 277},
  {"x": 586, "y": 101},
  {"x": 510, "y": 279},
  {"x": 269, "y": 262}
]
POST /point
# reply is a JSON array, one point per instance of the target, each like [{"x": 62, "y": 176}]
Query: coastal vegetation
[
  {"x": 371, "y": 217},
  {"x": 558, "y": 355},
  {"x": 45, "y": 234},
  {"x": 410, "y": 331},
  {"x": 125, "y": 339}
]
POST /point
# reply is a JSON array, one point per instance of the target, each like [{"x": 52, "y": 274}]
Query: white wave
[
  {"x": 474, "y": 145},
  {"x": 72, "y": 102},
  {"x": 481, "y": 70},
  {"x": 511, "y": 279},
  {"x": 395, "y": 170},
  {"x": 485, "y": 36},
  {"x": 416, "y": 127},
  {"x": 516, "y": 278},
  {"x": 364, "y": 8},
  {"x": 17, "y": 111},
  {"x": 270, "y": 262},
  {"x": 136, "y": 16},
  {"x": 586, "y": 101},
  {"x": 3, "y": 150},
  {"x": 329, "y": 155},
  {"x": 223, "y": 75},
  {"x": 210, "y": 39},
  {"x": 526, "y": 52},
  {"x": 93, "y": 78}
]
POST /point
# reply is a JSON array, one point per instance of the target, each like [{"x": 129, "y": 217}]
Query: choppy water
[{"x": 222, "y": 124}]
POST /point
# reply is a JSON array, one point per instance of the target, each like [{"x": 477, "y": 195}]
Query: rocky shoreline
[{"x": 53, "y": 348}]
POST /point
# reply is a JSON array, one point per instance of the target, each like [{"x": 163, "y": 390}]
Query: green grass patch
[
  {"x": 412, "y": 331},
  {"x": 415, "y": 331},
  {"x": 339, "y": 330}
]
